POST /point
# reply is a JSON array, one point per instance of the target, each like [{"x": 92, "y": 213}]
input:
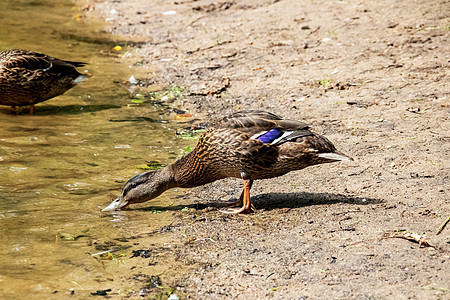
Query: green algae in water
[{"x": 151, "y": 165}]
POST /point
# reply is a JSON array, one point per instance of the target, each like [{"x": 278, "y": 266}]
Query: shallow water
[{"x": 59, "y": 167}]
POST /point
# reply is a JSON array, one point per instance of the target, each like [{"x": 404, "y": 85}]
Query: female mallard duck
[
  {"x": 248, "y": 145},
  {"x": 28, "y": 77}
]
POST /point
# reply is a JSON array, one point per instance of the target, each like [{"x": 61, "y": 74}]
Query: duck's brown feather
[
  {"x": 28, "y": 77},
  {"x": 248, "y": 145},
  {"x": 228, "y": 150}
]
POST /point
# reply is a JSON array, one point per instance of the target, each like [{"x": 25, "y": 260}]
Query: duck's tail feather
[
  {"x": 81, "y": 78},
  {"x": 335, "y": 156}
]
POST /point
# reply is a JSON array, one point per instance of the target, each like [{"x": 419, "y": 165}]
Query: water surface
[{"x": 59, "y": 167}]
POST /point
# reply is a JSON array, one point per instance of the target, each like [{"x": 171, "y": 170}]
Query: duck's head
[{"x": 141, "y": 188}]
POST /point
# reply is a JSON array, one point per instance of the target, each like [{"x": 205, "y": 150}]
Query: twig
[
  {"x": 346, "y": 212},
  {"x": 443, "y": 225},
  {"x": 209, "y": 47},
  {"x": 184, "y": 2},
  {"x": 199, "y": 18},
  {"x": 360, "y": 172},
  {"x": 100, "y": 253},
  {"x": 415, "y": 237},
  {"x": 107, "y": 251},
  {"x": 315, "y": 30}
]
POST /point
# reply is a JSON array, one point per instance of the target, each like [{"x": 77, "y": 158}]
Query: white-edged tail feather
[
  {"x": 81, "y": 78},
  {"x": 334, "y": 156}
]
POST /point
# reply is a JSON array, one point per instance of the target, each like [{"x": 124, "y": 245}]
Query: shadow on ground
[{"x": 272, "y": 201}]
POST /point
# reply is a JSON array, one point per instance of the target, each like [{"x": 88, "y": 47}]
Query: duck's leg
[
  {"x": 31, "y": 109},
  {"x": 244, "y": 200}
]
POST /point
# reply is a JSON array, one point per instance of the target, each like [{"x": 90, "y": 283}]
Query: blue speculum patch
[{"x": 270, "y": 136}]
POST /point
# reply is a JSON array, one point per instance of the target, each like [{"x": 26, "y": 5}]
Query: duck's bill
[{"x": 116, "y": 204}]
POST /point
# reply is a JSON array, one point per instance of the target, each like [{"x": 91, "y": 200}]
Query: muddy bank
[{"x": 372, "y": 76}]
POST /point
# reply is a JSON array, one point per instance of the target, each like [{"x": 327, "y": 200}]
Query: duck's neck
[
  {"x": 186, "y": 170},
  {"x": 166, "y": 177}
]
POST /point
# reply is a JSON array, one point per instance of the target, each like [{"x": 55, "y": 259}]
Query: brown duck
[
  {"x": 248, "y": 145},
  {"x": 28, "y": 77}
]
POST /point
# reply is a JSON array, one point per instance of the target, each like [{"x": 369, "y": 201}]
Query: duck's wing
[
  {"x": 260, "y": 114},
  {"x": 291, "y": 137},
  {"x": 265, "y": 126},
  {"x": 30, "y": 60},
  {"x": 249, "y": 121}
]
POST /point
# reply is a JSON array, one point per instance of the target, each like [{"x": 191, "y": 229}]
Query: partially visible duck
[
  {"x": 248, "y": 145},
  {"x": 28, "y": 77}
]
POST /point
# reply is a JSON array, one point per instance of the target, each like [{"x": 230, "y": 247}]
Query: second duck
[{"x": 28, "y": 77}]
